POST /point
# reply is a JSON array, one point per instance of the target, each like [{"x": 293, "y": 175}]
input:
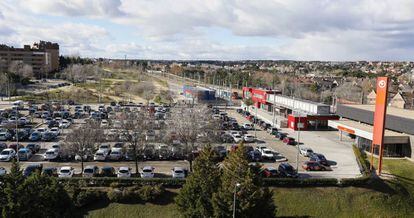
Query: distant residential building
[
  {"x": 371, "y": 97},
  {"x": 42, "y": 56}
]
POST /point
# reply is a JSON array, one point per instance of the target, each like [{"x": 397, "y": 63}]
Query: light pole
[
  {"x": 297, "y": 155},
  {"x": 234, "y": 199}
]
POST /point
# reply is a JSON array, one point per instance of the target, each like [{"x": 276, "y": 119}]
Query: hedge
[
  {"x": 361, "y": 160},
  {"x": 291, "y": 182}
]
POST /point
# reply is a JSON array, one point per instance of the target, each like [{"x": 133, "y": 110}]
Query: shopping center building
[
  {"x": 357, "y": 120},
  {"x": 283, "y": 111}
]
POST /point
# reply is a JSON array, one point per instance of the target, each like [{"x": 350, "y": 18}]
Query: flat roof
[
  {"x": 398, "y": 112},
  {"x": 365, "y": 127}
]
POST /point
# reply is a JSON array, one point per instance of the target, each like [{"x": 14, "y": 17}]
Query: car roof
[
  {"x": 147, "y": 167},
  {"x": 66, "y": 168},
  {"x": 90, "y": 167},
  {"x": 123, "y": 168},
  {"x": 178, "y": 168}
]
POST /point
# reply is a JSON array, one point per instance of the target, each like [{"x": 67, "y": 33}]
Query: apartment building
[{"x": 42, "y": 56}]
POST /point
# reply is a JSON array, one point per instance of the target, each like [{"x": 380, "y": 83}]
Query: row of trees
[
  {"x": 190, "y": 126},
  {"x": 17, "y": 73},
  {"x": 232, "y": 188}
]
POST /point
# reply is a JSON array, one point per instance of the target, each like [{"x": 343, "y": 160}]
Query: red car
[
  {"x": 250, "y": 117},
  {"x": 289, "y": 141},
  {"x": 313, "y": 166},
  {"x": 270, "y": 172}
]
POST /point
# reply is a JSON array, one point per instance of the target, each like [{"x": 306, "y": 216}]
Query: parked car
[
  {"x": 255, "y": 156},
  {"x": 100, "y": 155},
  {"x": 124, "y": 172},
  {"x": 147, "y": 172},
  {"x": 249, "y": 138},
  {"x": 178, "y": 172},
  {"x": 281, "y": 135},
  {"x": 32, "y": 168},
  {"x": 50, "y": 171},
  {"x": 286, "y": 170},
  {"x": 24, "y": 154},
  {"x": 237, "y": 138},
  {"x": 107, "y": 171},
  {"x": 320, "y": 158},
  {"x": 289, "y": 141},
  {"x": 305, "y": 151},
  {"x": 267, "y": 154},
  {"x": 116, "y": 154},
  {"x": 33, "y": 147},
  {"x": 106, "y": 148},
  {"x": 3, "y": 171},
  {"x": 51, "y": 154},
  {"x": 4, "y": 136},
  {"x": 269, "y": 172},
  {"x": 7, "y": 154},
  {"x": 66, "y": 172},
  {"x": 48, "y": 136},
  {"x": 64, "y": 124},
  {"x": 90, "y": 171},
  {"x": 247, "y": 126},
  {"x": 55, "y": 130},
  {"x": 35, "y": 136},
  {"x": 272, "y": 130},
  {"x": 314, "y": 166}
]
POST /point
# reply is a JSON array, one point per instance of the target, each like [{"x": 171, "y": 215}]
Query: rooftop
[
  {"x": 365, "y": 127},
  {"x": 398, "y": 112}
]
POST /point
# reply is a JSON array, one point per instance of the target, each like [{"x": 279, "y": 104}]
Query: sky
[{"x": 324, "y": 30}]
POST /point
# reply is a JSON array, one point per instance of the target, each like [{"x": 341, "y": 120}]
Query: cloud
[
  {"x": 303, "y": 29},
  {"x": 73, "y": 8}
]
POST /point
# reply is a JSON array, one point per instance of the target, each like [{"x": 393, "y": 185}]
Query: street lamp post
[
  {"x": 297, "y": 155},
  {"x": 234, "y": 199}
]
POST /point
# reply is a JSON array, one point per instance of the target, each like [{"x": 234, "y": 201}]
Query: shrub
[
  {"x": 291, "y": 182},
  {"x": 115, "y": 195},
  {"x": 89, "y": 196},
  {"x": 150, "y": 193}
]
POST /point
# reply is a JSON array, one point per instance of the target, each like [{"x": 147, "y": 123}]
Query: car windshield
[
  {"x": 273, "y": 170},
  {"x": 88, "y": 170},
  {"x": 5, "y": 152},
  {"x": 289, "y": 168},
  {"x": 124, "y": 171},
  {"x": 50, "y": 152},
  {"x": 178, "y": 171},
  {"x": 22, "y": 151},
  {"x": 115, "y": 152},
  {"x": 147, "y": 171},
  {"x": 309, "y": 151},
  {"x": 104, "y": 146},
  {"x": 267, "y": 152},
  {"x": 65, "y": 171}
]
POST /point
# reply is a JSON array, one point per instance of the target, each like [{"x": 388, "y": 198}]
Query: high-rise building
[{"x": 43, "y": 57}]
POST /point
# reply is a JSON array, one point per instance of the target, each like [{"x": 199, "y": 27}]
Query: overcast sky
[{"x": 215, "y": 29}]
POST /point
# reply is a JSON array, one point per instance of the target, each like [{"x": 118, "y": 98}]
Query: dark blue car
[{"x": 36, "y": 136}]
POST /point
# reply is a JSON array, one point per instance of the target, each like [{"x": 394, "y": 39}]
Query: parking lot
[
  {"x": 340, "y": 156},
  {"x": 338, "y": 153}
]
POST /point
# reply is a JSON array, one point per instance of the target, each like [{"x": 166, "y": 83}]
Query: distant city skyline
[{"x": 329, "y": 30}]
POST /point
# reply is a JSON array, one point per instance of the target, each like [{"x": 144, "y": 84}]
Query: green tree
[
  {"x": 195, "y": 197},
  {"x": 35, "y": 196},
  {"x": 252, "y": 200}
]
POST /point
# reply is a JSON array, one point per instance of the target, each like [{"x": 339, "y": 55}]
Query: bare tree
[
  {"x": 192, "y": 125},
  {"x": 146, "y": 90},
  {"x": 82, "y": 141},
  {"x": 133, "y": 126}
]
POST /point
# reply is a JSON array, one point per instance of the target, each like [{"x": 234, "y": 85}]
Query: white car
[
  {"x": 116, "y": 154},
  {"x": 247, "y": 126},
  {"x": 105, "y": 148},
  {"x": 100, "y": 155},
  {"x": 267, "y": 154},
  {"x": 104, "y": 123},
  {"x": 41, "y": 130},
  {"x": 249, "y": 138},
  {"x": 7, "y": 154},
  {"x": 51, "y": 154},
  {"x": 147, "y": 172},
  {"x": 55, "y": 130},
  {"x": 4, "y": 136},
  {"x": 237, "y": 138},
  {"x": 306, "y": 152},
  {"x": 90, "y": 171},
  {"x": 178, "y": 172},
  {"x": 3, "y": 171},
  {"x": 124, "y": 172},
  {"x": 66, "y": 172},
  {"x": 64, "y": 124}
]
